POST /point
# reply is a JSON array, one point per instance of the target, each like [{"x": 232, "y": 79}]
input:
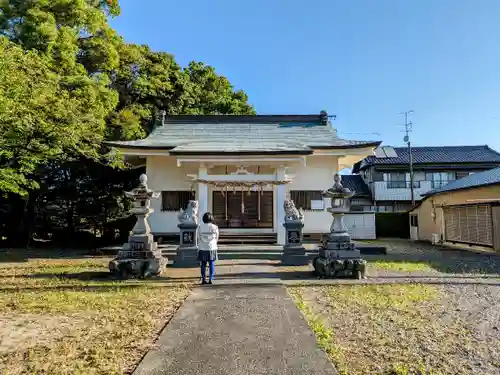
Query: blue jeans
[{"x": 211, "y": 265}]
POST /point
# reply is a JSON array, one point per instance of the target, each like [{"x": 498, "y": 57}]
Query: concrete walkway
[{"x": 235, "y": 329}]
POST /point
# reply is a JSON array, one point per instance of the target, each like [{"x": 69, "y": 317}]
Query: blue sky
[{"x": 363, "y": 60}]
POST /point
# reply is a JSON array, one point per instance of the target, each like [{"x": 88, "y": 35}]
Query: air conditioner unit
[{"x": 436, "y": 238}]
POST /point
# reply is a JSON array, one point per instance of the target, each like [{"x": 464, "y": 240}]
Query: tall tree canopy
[
  {"x": 69, "y": 81},
  {"x": 44, "y": 117},
  {"x": 148, "y": 82}
]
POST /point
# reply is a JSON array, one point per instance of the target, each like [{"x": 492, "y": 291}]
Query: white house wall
[
  {"x": 384, "y": 193},
  {"x": 163, "y": 174},
  {"x": 361, "y": 225},
  {"x": 316, "y": 175}
]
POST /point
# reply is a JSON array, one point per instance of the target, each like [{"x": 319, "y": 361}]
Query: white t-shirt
[{"x": 208, "y": 235}]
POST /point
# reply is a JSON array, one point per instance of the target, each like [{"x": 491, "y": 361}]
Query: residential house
[
  {"x": 360, "y": 221},
  {"x": 242, "y": 168},
  {"x": 387, "y": 174},
  {"x": 362, "y": 198},
  {"x": 465, "y": 211}
]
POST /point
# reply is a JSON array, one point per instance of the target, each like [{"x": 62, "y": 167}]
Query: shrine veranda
[{"x": 242, "y": 168}]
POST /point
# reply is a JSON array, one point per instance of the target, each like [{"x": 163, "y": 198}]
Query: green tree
[
  {"x": 72, "y": 82},
  {"x": 212, "y": 94},
  {"x": 148, "y": 82},
  {"x": 41, "y": 118}
]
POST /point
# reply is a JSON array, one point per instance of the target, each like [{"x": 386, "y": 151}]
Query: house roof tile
[
  {"x": 354, "y": 182},
  {"x": 434, "y": 155},
  {"x": 485, "y": 178}
]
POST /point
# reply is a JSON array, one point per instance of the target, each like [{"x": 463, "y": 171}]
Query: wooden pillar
[
  {"x": 495, "y": 214},
  {"x": 202, "y": 193},
  {"x": 280, "y": 199}
]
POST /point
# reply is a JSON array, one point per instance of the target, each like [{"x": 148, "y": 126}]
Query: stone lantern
[
  {"x": 140, "y": 256},
  {"x": 338, "y": 256}
]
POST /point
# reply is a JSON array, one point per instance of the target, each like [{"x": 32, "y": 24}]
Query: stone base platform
[
  {"x": 355, "y": 268},
  {"x": 294, "y": 256},
  {"x": 186, "y": 257},
  {"x": 137, "y": 267}
]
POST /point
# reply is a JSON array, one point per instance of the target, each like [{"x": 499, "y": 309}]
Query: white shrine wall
[{"x": 165, "y": 175}]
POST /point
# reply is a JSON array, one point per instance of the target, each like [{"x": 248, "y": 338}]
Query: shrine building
[{"x": 242, "y": 168}]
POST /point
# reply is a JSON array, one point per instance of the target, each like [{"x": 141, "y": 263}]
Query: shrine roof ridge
[{"x": 318, "y": 119}]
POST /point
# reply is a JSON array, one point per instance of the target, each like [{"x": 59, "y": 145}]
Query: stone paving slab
[{"x": 235, "y": 330}]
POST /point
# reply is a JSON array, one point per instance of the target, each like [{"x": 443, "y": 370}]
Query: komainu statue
[
  {"x": 291, "y": 212},
  {"x": 190, "y": 215}
]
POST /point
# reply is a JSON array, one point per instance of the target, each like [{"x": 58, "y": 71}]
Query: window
[
  {"x": 399, "y": 180},
  {"x": 357, "y": 208},
  {"x": 384, "y": 208},
  {"x": 439, "y": 179},
  {"x": 402, "y": 184},
  {"x": 462, "y": 174},
  {"x": 396, "y": 176},
  {"x": 303, "y": 198},
  {"x": 175, "y": 200}
]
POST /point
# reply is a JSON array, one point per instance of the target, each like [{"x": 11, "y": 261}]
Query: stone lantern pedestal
[
  {"x": 140, "y": 256},
  {"x": 187, "y": 252},
  {"x": 294, "y": 253},
  {"x": 338, "y": 256}
]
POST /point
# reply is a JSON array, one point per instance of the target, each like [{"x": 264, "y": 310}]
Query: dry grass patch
[
  {"x": 386, "y": 329},
  {"x": 401, "y": 266},
  {"x": 69, "y": 317}
]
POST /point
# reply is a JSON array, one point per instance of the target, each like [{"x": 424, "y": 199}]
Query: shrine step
[
  {"x": 228, "y": 238},
  {"x": 236, "y": 251},
  {"x": 314, "y": 237},
  {"x": 248, "y": 238}
]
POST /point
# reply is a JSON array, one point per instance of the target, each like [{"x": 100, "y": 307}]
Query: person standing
[{"x": 208, "y": 235}]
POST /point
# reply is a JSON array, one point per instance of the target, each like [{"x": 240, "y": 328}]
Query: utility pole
[{"x": 408, "y": 128}]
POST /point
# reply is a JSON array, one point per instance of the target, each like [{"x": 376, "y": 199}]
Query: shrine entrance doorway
[{"x": 243, "y": 209}]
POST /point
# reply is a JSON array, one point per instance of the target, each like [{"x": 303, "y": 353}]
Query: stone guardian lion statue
[
  {"x": 190, "y": 215},
  {"x": 291, "y": 212}
]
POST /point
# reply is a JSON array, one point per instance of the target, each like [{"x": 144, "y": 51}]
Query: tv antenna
[
  {"x": 406, "y": 139},
  {"x": 408, "y": 125}
]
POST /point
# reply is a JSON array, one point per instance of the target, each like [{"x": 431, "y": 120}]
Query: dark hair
[{"x": 208, "y": 217}]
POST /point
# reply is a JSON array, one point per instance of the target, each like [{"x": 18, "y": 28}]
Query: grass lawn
[
  {"x": 68, "y": 317},
  {"x": 402, "y": 266},
  {"x": 395, "y": 329}
]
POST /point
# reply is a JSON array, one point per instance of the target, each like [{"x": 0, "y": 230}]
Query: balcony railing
[
  {"x": 398, "y": 190},
  {"x": 402, "y": 184},
  {"x": 438, "y": 184}
]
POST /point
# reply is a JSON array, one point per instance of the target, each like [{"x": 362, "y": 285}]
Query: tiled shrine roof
[{"x": 233, "y": 134}]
